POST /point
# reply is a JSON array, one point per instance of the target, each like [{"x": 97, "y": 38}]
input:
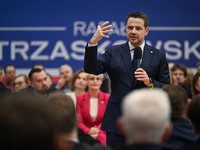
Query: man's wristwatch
[{"x": 151, "y": 82}]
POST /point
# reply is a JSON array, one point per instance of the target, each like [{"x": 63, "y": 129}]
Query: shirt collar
[{"x": 132, "y": 47}]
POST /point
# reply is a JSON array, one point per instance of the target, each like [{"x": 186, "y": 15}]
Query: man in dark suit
[
  {"x": 182, "y": 133},
  {"x": 193, "y": 113},
  {"x": 117, "y": 62},
  {"x": 142, "y": 123},
  {"x": 39, "y": 86}
]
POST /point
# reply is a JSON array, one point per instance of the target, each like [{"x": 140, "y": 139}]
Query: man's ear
[
  {"x": 120, "y": 123},
  {"x": 147, "y": 31},
  {"x": 167, "y": 132}
]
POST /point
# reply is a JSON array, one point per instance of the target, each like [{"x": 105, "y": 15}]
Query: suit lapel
[
  {"x": 86, "y": 106},
  {"x": 147, "y": 56},
  {"x": 101, "y": 104},
  {"x": 126, "y": 58}
]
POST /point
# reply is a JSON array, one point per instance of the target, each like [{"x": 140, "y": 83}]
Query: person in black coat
[
  {"x": 38, "y": 85},
  {"x": 182, "y": 132},
  {"x": 193, "y": 113}
]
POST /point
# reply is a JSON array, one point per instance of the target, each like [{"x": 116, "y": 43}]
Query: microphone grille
[{"x": 137, "y": 53}]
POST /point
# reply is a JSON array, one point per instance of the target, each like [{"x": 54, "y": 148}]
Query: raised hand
[{"x": 100, "y": 33}]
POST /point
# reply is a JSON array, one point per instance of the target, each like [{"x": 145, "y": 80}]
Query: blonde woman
[{"x": 91, "y": 107}]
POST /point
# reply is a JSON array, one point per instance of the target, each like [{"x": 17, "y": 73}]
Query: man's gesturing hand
[{"x": 100, "y": 33}]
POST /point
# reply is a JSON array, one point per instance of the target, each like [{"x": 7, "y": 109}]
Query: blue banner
[{"x": 53, "y": 33}]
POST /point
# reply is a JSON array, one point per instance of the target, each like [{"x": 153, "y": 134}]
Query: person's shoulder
[
  {"x": 27, "y": 89},
  {"x": 149, "y": 47},
  {"x": 86, "y": 146},
  {"x": 53, "y": 89},
  {"x": 106, "y": 95}
]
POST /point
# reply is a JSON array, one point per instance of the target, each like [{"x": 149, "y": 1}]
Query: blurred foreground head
[
  {"x": 146, "y": 114},
  {"x": 28, "y": 124}
]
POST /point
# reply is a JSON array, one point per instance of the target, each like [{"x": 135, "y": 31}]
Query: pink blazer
[{"x": 83, "y": 110}]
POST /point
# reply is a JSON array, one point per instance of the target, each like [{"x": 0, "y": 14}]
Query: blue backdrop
[{"x": 53, "y": 33}]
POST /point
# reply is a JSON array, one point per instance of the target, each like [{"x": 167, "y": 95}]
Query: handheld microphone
[{"x": 137, "y": 56}]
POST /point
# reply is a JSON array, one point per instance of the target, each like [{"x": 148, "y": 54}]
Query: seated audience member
[
  {"x": 198, "y": 66},
  {"x": 20, "y": 82},
  {"x": 193, "y": 112},
  {"x": 40, "y": 66},
  {"x": 91, "y": 107},
  {"x": 196, "y": 85},
  {"x": 78, "y": 85},
  {"x": 189, "y": 77},
  {"x": 66, "y": 74},
  {"x": 28, "y": 124},
  {"x": 49, "y": 79},
  {"x": 180, "y": 73},
  {"x": 9, "y": 72},
  {"x": 68, "y": 129},
  {"x": 39, "y": 86},
  {"x": 4, "y": 91},
  {"x": 145, "y": 120},
  {"x": 182, "y": 132}
]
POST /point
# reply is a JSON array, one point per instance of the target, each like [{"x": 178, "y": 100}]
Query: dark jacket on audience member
[
  {"x": 4, "y": 91},
  {"x": 143, "y": 146},
  {"x": 193, "y": 146},
  {"x": 188, "y": 90},
  {"x": 30, "y": 91},
  {"x": 182, "y": 134},
  {"x": 86, "y": 146}
]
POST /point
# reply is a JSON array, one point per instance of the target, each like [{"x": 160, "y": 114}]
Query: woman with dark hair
[
  {"x": 196, "y": 84},
  {"x": 78, "y": 85},
  {"x": 91, "y": 107}
]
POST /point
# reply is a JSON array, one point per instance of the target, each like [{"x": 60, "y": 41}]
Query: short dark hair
[
  {"x": 141, "y": 15},
  {"x": 178, "y": 99},
  {"x": 66, "y": 108},
  {"x": 193, "y": 113},
  {"x": 181, "y": 67},
  {"x": 34, "y": 70},
  {"x": 37, "y": 65},
  {"x": 27, "y": 124},
  {"x": 194, "y": 82},
  {"x": 5, "y": 68}
]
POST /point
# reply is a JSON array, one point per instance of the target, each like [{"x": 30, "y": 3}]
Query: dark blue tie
[{"x": 134, "y": 66}]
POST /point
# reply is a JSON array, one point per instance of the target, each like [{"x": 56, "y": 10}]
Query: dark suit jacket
[
  {"x": 30, "y": 91},
  {"x": 86, "y": 146},
  {"x": 182, "y": 134},
  {"x": 116, "y": 61},
  {"x": 193, "y": 146},
  {"x": 143, "y": 146}
]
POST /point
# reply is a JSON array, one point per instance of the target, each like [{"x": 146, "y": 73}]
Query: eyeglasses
[
  {"x": 19, "y": 83},
  {"x": 178, "y": 74}
]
